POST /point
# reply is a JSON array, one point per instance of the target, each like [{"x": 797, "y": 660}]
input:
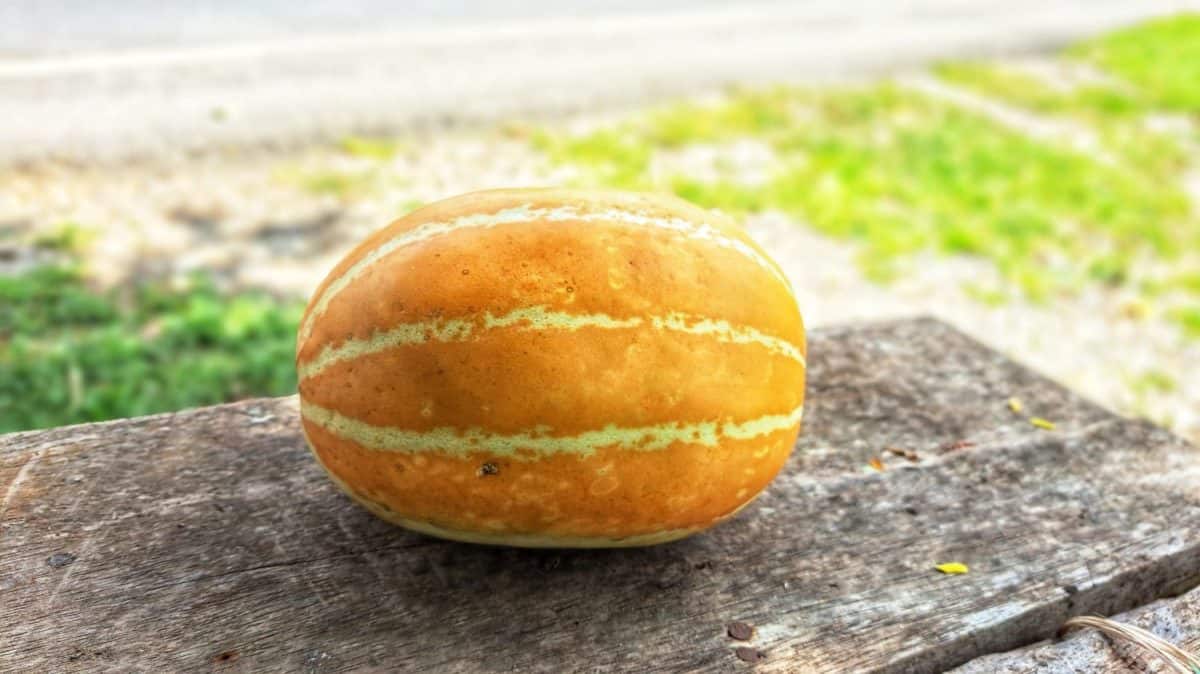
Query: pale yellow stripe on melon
[
  {"x": 528, "y": 446},
  {"x": 748, "y": 430},
  {"x": 536, "y": 318},
  {"x": 724, "y": 332},
  {"x": 526, "y": 214},
  {"x": 415, "y": 235},
  {"x": 405, "y": 334},
  {"x": 693, "y": 230},
  {"x": 540, "y": 318},
  {"x": 456, "y": 330}
]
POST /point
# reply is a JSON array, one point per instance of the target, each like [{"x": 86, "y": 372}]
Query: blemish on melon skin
[
  {"x": 604, "y": 485},
  {"x": 681, "y": 502},
  {"x": 616, "y": 279}
]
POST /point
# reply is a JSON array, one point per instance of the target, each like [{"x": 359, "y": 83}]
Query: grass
[
  {"x": 347, "y": 185},
  {"x": 65, "y": 237},
  {"x": 902, "y": 172},
  {"x": 1153, "y": 381},
  {"x": 344, "y": 185},
  {"x": 69, "y": 354},
  {"x": 377, "y": 148},
  {"x": 615, "y": 157},
  {"x": 1145, "y": 386},
  {"x": 1160, "y": 59},
  {"x": 1188, "y": 318},
  {"x": 1034, "y": 93},
  {"x": 1110, "y": 112}
]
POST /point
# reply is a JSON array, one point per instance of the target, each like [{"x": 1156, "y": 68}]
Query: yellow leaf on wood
[{"x": 1042, "y": 423}]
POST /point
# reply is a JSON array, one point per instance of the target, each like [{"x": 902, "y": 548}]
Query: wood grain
[
  {"x": 209, "y": 540},
  {"x": 1086, "y": 650}
]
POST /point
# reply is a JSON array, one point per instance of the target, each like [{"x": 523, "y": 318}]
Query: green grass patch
[
  {"x": 615, "y": 157},
  {"x": 1186, "y": 281},
  {"x": 1153, "y": 381},
  {"x": 746, "y": 112},
  {"x": 993, "y": 297},
  {"x": 1114, "y": 115},
  {"x": 343, "y": 184},
  {"x": 902, "y": 173},
  {"x": 366, "y": 147},
  {"x": 1158, "y": 58},
  {"x": 340, "y": 184},
  {"x": 67, "y": 237},
  {"x": 1188, "y": 319},
  {"x": 906, "y": 173},
  {"x": 1029, "y": 91},
  {"x": 69, "y": 354}
]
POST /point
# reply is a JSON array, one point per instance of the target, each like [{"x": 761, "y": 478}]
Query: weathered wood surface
[
  {"x": 210, "y": 539},
  {"x": 1087, "y": 651}
]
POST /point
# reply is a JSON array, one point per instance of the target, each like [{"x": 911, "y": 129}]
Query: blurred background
[{"x": 175, "y": 178}]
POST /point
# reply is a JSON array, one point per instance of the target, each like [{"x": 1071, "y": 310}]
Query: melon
[{"x": 553, "y": 368}]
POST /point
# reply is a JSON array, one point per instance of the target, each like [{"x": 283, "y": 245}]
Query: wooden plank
[
  {"x": 1086, "y": 650},
  {"x": 210, "y": 539}
]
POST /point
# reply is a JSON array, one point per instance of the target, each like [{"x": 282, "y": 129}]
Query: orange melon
[{"x": 553, "y": 368}]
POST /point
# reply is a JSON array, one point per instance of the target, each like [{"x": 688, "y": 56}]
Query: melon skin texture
[{"x": 553, "y": 368}]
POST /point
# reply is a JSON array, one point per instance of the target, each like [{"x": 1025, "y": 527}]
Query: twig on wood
[{"x": 1176, "y": 658}]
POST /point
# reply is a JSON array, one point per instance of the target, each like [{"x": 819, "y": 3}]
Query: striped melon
[{"x": 553, "y": 368}]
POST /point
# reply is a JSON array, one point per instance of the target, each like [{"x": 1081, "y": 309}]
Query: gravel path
[{"x": 279, "y": 220}]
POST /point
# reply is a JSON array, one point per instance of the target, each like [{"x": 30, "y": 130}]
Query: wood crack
[{"x": 22, "y": 473}]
